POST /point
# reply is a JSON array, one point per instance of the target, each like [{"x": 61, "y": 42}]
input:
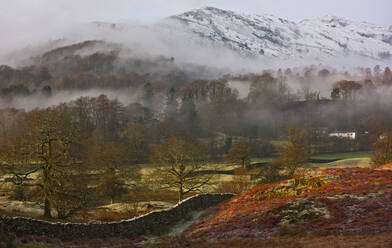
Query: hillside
[
  {"x": 320, "y": 38},
  {"x": 328, "y": 207},
  {"x": 216, "y": 33},
  {"x": 350, "y": 201}
]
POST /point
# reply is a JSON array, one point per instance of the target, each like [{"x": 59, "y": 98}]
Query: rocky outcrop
[{"x": 151, "y": 223}]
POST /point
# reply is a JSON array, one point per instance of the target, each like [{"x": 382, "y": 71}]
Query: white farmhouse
[{"x": 347, "y": 135}]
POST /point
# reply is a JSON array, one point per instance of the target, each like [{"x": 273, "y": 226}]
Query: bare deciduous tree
[
  {"x": 45, "y": 144},
  {"x": 296, "y": 153},
  {"x": 112, "y": 161},
  {"x": 241, "y": 151},
  {"x": 180, "y": 165}
]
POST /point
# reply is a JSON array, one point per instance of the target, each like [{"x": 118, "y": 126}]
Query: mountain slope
[
  {"x": 255, "y": 35},
  {"x": 215, "y": 37},
  {"x": 327, "y": 202}
]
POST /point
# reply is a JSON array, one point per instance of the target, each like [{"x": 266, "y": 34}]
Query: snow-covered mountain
[
  {"x": 199, "y": 35},
  {"x": 270, "y": 36}
]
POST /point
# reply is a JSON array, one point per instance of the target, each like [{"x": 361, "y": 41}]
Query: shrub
[
  {"x": 269, "y": 174},
  {"x": 237, "y": 185}
]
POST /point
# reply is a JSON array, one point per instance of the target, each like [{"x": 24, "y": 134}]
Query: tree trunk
[
  {"x": 47, "y": 209},
  {"x": 180, "y": 194},
  {"x": 46, "y": 191}
]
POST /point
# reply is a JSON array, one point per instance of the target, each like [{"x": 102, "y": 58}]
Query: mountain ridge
[
  {"x": 229, "y": 37},
  {"x": 267, "y": 35}
]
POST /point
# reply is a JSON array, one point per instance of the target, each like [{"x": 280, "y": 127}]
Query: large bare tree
[
  {"x": 296, "y": 153},
  {"x": 45, "y": 145},
  {"x": 180, "y": 164},
  {"x": 117, "y": 175},
  {"x": 241, "y": 151}
]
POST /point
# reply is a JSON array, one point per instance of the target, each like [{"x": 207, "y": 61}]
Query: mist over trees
[
  {"x": 193, "y": 99},
  {"x": 69, "y": 113},
  {"x": 254, "y": 105}
]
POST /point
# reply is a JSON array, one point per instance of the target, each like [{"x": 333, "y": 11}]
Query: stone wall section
[{"x": 151, "y": 223}]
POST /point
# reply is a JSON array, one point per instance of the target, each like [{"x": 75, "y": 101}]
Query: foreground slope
[
  {"x": 334, "y": 207},
  {"x": 355, "y": 201}
]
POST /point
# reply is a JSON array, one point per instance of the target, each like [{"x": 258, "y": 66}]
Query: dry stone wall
[{"x": 151, "y": 223}]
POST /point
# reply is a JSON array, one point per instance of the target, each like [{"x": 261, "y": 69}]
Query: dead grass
[
  {"x": 364, "y": 206},
  {"x": 340, "y": 241},
  {"x": 333, "y": 241},
  {"x": 387, "y": 166}
]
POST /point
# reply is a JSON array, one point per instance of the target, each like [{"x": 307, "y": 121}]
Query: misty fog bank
[
  {"x": 125, "y": 96},
  {"x": 162, "y": 38}
]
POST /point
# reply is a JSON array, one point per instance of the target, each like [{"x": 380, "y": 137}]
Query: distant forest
[{"x": 169, "y": 99}]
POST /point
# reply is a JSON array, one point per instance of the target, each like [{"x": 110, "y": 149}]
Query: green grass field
[
  {"x": 347, "y": 163},
  {"x": 344, "y": 160},
  {"x": 280, "y": 143},
  {"x": 346, "y": 155},
  {"x": 332, "y": 156},
  {"x": 262, "y": 160}
]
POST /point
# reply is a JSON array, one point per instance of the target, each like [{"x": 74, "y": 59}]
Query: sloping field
[
  {"x": 344, "y": 155},
  {"x": 333, "y": 207},
  {"x": 347, "y": 163},
  {"x": 334, "y": 201}
]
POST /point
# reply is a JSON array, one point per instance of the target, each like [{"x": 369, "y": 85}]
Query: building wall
[{"x": 349, "y": 135}]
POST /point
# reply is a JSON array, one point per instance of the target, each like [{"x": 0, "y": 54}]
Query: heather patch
[{"x": 297, "y": 186}]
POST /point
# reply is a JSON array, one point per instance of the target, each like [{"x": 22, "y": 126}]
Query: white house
[{"x": 347, "y": 135}]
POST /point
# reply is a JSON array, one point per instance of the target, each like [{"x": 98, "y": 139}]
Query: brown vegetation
[
  {"x": 357, "y": 201},
  {"x": 347, "y": 241}
]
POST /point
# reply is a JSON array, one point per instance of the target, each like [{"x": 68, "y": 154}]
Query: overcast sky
[
  {"x": 375, "y": 11},
  {"x": 21, "y": 19}
]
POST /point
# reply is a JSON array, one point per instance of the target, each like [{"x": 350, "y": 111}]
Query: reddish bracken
[
  {"x": 357, "y": 201},
  {"x": 385, "y": 167}
]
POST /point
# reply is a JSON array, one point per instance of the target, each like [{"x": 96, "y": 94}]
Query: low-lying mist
[
  {"x": 162, "y": 38},
  {"x": 125, "y": 96}
]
